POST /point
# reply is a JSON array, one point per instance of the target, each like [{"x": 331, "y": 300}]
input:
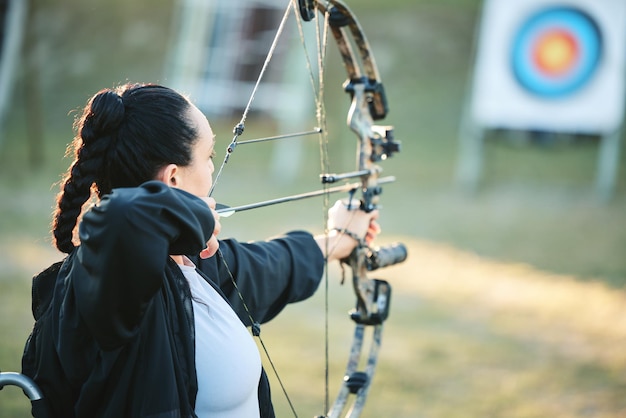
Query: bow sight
[{"x": 383, "y": 143}]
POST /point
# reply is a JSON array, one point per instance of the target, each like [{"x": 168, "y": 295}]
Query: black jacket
[{"x": 114, "y": 330}]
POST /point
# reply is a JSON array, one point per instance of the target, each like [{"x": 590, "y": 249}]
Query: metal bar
[
  {"x": 284, "y": 136},
  {"x": 27, "y": 384},
  {"x": 333, "y": 178}
]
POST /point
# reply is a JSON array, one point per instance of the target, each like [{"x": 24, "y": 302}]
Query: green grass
[
  {"x": 511, "y": 302},
  {"x": 472, "y": 337}
]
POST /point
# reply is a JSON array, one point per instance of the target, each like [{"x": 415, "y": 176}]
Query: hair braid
[{"x": 101, "y": 117}]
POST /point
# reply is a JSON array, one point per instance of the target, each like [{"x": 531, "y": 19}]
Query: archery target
[
  {"x": 550, "y": 66},
  {"x": 556, "y": 52}
]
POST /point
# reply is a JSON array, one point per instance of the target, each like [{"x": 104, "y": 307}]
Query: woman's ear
[{"x": 168, "y": 175}]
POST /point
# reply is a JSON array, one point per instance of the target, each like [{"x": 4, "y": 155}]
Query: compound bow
[{"x": 375, "y": 143}]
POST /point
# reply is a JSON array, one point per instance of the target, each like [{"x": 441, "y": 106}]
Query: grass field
[{"x": 511, "y": 303}]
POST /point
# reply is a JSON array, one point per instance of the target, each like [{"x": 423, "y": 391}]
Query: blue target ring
[{"x": 556, "y": 52}]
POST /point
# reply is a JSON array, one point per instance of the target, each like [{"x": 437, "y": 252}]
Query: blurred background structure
[
  {"x": 12, "y": 28},
  {"x": 218, "y": 51},
  {"x": 217, "y": 54},
  {"x": 511, "y": 303}
]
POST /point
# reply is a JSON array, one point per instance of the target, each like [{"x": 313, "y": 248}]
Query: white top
[{"x": 228, "y": 363}]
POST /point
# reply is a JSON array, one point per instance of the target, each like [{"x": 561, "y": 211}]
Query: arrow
[{"x": 225, "y": 211}]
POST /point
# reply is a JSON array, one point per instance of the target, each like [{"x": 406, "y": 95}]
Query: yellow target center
[{"x": 556, "y": 52}]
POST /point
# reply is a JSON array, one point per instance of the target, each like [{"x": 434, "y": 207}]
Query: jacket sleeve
[
  {"x": 269, "y": 274},
  {"x": 125, "y": 243}
]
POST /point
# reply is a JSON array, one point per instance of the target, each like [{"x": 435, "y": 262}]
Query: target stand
[{"x": 547, "y": 66}]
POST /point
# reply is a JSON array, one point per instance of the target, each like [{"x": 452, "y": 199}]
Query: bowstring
[
  {"x": 318, "y": 94},
  {"x": 237, "y": 131},
  {"x": 322, "y": 42}
]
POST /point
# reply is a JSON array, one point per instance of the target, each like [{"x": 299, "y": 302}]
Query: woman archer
[{"x": 141, "y": 318}]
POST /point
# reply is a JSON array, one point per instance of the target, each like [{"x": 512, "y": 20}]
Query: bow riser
[{"x": 360, "y": 122}]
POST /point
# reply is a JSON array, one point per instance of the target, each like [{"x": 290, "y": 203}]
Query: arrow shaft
[{"x": 227, "y": 211}]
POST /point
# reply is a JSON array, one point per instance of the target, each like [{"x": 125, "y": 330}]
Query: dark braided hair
[{"x": 124, "y": 136}]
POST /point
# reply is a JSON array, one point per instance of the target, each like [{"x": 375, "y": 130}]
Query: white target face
[{"x": 542, "y": 65}]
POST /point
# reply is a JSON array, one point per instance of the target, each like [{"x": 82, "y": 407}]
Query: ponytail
[
  {"x": 123, "y": 138},
  {"x": 95, "y": 132}
]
